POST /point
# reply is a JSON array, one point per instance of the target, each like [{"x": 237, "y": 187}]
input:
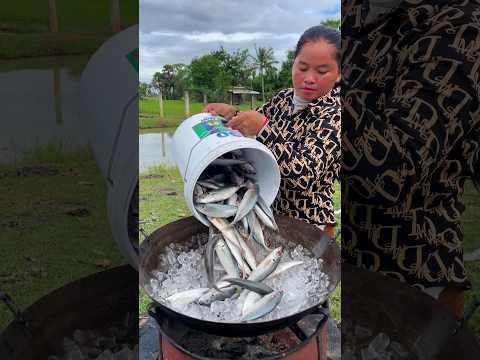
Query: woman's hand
[
  {"x": 249, "y": 123},
  {"x": 224, "y": 110}
]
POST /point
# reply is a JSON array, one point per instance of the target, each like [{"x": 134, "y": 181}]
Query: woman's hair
[{"x": 319, "y": 33}]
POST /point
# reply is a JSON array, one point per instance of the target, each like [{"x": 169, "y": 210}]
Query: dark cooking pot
[
  {"x": 181, "y": 231},
  {"x": 88, "y": 303},
  {"x": 407, "y": 315}
]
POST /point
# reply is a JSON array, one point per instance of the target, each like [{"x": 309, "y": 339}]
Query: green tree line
[{"x": 215, "y": 73}]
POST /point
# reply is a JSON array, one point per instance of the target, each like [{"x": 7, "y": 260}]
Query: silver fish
[
  {"x": 247, "y": 203},
  {"x": 255, "y": 286},
  {"x": 245, "y": 224},
  {"x": 246, "y": 251},
  {"x": 233, "y": 200},
  {"x": 267, "y": 266},
  {"x": 256, "y": 229},
  {"x": 249, "y": 299},
  {"x": 197, "y": 191},
  {"x": 218, "y": 195},
  {"x": 226, "y": 258},
  {"x": 231, "y": 239},
  {"x": 266, "y": 209},
  {"x": 247, "y": 168},
  {"x": 217, "y": 210},
  {"x": 284, "y": 267},
  {"x": 263, "y": 307},
  {"x": 235, "y": 177},
  {"x": 186, "y": 297},
  {"x": 214, "y": 295},
  {"x": 228, "y": 162},
  {"x": 208, "y": 184},
  {"x": 264, "y": 218},
  {"x": 209, "y": 255}
]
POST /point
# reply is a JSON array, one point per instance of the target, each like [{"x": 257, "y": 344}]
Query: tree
[
  {"x": 285, "y": 73},
  {"x": 144, "y": 89},
  {"x": 331, "y": 23},
  {"x": 263, "y": 60},
  {"x": 205, "y": 72}
]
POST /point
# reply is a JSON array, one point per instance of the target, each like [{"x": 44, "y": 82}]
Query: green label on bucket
[{"x": 213, "y": 125}]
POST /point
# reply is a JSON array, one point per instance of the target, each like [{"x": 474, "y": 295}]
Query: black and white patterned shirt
[{"x": 306, "y": 145}]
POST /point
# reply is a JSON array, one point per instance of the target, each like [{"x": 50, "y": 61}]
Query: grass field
[
  {"x": 83, "y": 27},
  {"x": 174, "y": 112},
  {"x": 87, "y": 16},
  {"x": 162, "y": 201},
  {"x": 54, "y": 227}
]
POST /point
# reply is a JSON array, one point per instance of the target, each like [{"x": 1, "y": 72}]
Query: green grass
[
  {"x": 158, "y": 209},
  {"x": 174, "y": 112},
  {"x": 43, "y": 248},
  {"x": 83, "y": 27},
  {"x": 73, "y": 16},
  {"x": 471, "y": 225}
]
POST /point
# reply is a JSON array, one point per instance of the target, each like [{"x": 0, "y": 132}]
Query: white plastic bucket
[
  {"x": 109, "y": 98},
  {"x": 203, "y": 138}
]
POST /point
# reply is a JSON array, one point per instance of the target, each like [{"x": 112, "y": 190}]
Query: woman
[{"x": 301, "y": 126}]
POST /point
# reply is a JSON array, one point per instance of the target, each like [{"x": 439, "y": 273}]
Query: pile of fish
[{"x": 229, "y": 198}]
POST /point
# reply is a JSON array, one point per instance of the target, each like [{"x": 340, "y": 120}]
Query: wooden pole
[
  {"x": 52, "y": 15},
  {"x": 57, "y": 95},
  {"x": 187, "y": 104},
  {"x": 115, "y": 15},
  {"x": 160, "y": 100},
  {"x": 205, "y": 99}
]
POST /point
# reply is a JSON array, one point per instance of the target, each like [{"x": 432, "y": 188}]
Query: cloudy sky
[{"x": 176, "y": 31}]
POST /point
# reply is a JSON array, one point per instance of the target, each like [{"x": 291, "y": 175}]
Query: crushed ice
[{"x": 304, "y": 285}]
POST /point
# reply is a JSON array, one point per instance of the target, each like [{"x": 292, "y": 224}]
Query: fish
[
  {"x": 255, "y": 286},
  {"x": 266, "y": 209},
  {"x": 218, "y": 195},
  {"x": 263, "y": 306},
  {"x": 186, "y": 297},
  {"x": 208, "y": 184},
  {"x": 247, "y": 203},
  {"x": 284, "y": 267},
  {"x": 264, "y": 218},
  {"x": 226, "y": 258},
  {"x": 247, "y": 168},
  {"x": 233, "y": 200},
  {"x": 197, "y": 191},
  {"x": 209, "y": 256},
  {"x": 217, "y": 210},
  {"x": 228, "y": 162},
  {"x": 249, "y": 299},
  {"x": 267, "y": 266},
  {"x": 235, "y": 177},
  {"x": 247, "y": 253},
  {"x": 256, "y": 229},
  {"x": 232, "y": 241},
  {"x": 214, "y": 295}
]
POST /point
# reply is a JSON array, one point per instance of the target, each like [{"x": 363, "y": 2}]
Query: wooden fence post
[
  {"x": 205, "y": 99},
  {"x": 115, "y": 15},
  {"x": 160, "y": 100},
  {"x": 187, "y": 104},
  {"x": 52, "y": 15}
]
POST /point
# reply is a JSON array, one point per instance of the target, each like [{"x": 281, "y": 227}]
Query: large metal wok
[
  {"x": 423, "y": 325},
  {"x": 89, "y": 303},
  {"x": 182, "y": 231}
]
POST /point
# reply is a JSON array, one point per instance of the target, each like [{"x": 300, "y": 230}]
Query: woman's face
[{"x": 315, "y": 70}]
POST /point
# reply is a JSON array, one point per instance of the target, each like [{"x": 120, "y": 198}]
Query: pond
[
  {"x": 41, "y": 105},
  {"x": 155, "y": 148}
]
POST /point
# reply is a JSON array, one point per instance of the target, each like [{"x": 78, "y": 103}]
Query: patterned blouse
[
  {"x": 410, "y": 138},
  {"x": 306, "y": 145}
]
